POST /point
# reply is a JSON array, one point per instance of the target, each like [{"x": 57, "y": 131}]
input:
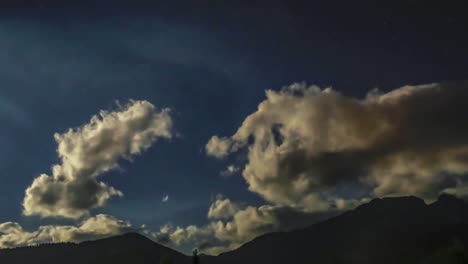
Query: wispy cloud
[{"x": 11, "y": 111}]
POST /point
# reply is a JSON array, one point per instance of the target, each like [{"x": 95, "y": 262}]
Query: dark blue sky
[{"x": 60, "y": 66}]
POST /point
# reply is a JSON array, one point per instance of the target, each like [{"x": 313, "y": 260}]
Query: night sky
[{"x": 62, "y": 64}]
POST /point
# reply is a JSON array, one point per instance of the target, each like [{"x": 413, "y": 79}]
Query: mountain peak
[
  {"x": 130, "y": 238},
  {"x": 133, "y": 235},
  {"x": 394, "y": 203},
  {"x": 451, "y": 206},
  {"x": 403, "y": 199},
  {"x": 448, "y": 198}
]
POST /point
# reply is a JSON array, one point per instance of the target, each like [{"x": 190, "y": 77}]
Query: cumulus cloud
[
  {"x": 303, "y": 141},
  {"x": 218, "y": 146},
  {"x": 223, "y": 208},
  {"x": 100, "y": 226},
  {"x": 88, "y": 151},
  {"x": 230, "y": 170},
  {"x": 232, "y": 225}
]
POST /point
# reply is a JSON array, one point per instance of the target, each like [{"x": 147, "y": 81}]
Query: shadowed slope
[
  {"x": 127, "y": 248},
  {"x": 389, "y": 230}
]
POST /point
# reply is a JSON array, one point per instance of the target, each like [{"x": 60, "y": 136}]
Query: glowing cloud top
[{"x": 91, "y": 150}]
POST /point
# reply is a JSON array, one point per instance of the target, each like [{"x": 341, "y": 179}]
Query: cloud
[
  {"x": 251, "y": 222},
  {"x": 230, "y": 170},
  {"x": 89, "y": 151},
  {"x": 100, "y": 226},
  {"x": 178, "y": 236},
  {"x": 165, "y": 198},
  {"x": 223, "y": 208},
  {"x": 232, "y": 225},
  {"x": 459, "y": 190},
  {"x": 218, "y": 146},
  {"x": 303, "y": 141},
  {"x": 348, "y": 204}
]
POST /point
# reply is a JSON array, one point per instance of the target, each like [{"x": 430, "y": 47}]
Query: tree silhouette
[{"x": 195, "y": 256}]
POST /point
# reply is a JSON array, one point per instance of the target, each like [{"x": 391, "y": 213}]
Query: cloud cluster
[
  {"x": 233, "y": 224},
  {"x": 304, "y": 145},
  {"x": 87, "y": 152},
  {"x": 100, "y": 226},
  {"x": 303, "y": 141}
]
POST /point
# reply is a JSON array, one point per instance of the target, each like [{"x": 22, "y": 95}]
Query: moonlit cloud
[
  {"x": 87, "y": 152},
  {"x": 460, "y": 191},
  {"x": 218, "y": 147},
  {"x": 222, "y": 209},
  {"x": 233, "y": 224},
  {"x": 100, "y": 226},
  {"x": 303, "y": 141}
]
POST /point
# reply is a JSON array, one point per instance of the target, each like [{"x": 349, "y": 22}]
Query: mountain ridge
[
  {"x": 384, "y": 230},
  {"x": 398, "y": 219}
]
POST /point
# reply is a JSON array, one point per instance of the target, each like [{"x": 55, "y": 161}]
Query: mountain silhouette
[
  {"x": 123, "y": 249},
  {"x": 388, "y": 230}
]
